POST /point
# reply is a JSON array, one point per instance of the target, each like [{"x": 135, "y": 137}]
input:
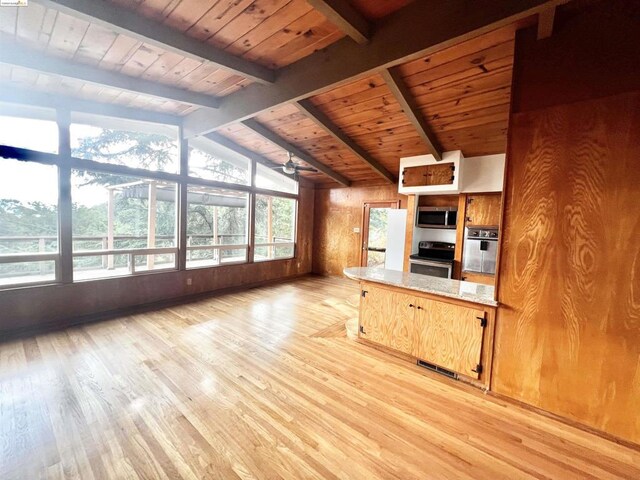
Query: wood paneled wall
[
  {"x": 58, "y": 305},
  {"x": 568, "y": 331},
  {"x": 338, "y": 211}
]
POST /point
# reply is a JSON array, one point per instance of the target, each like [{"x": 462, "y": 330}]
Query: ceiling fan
[{"x": 292, "y": 168}]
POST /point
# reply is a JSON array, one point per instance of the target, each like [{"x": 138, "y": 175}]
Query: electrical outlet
[
  {"x": 189, "y": 281},
  {"x": 356, "y": 229}
]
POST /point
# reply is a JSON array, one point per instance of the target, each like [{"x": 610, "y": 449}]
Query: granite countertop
[{"x": 467, "y": 291}]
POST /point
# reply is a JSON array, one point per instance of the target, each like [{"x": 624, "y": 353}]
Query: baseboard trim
[
  {"x": 48, "y": 327},
  {"x": 567, "y": 421}
]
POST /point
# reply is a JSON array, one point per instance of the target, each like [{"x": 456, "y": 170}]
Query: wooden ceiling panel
[
  {"x": 273, "y": 33},
  {"x": 367, "y": 112},
  {"x": 296, "y": 128},
  {"x": 29, "y": 80},
  {"x": 64, "y": 36}
]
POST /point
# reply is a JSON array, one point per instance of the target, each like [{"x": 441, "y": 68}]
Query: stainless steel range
[
  {"x": 480, "y": 250},
  {"x": 433, "y": 258}
]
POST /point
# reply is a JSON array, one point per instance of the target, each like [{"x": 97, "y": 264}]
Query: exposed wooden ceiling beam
[
  {"x": 403, "y": 96},
  {"x": 415, "y": 31},
  {"x": 546, "y": 19},
  {"x": 128, "y": 23},
  {"x": 19, "y": 96},
  {"x": 345, "y": 17},
  {"x": 19, "y": 56},
  {"x": 304, "y": 156},
  {"x": 321, "y": 119}
]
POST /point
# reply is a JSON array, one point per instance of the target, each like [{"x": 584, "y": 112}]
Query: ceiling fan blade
[{"x": 306, "y": 169}]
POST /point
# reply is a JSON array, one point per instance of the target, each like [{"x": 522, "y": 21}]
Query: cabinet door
[
  {"x": 449, "y": 336},
  {"x": 387, "y": 318},
  {"x": 440, "y": 174},
  {"x": 414, "y": 176},
  {"x": 483, "y": 209},
  {"x": 434, "y": 174}
]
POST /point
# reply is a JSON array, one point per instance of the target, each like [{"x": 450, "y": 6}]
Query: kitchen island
[{"x": 444, "y": 325}]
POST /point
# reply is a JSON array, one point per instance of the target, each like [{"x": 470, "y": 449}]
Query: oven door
[{"x": 434, "y": 269}]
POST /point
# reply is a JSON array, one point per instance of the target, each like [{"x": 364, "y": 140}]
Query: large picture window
[
  {"x": 272, "y": 179},
  {"x": 217, "y": 223},
  {"x": 122, "y": 225},
  {"x": 113, "y": 203},
  {"x": 275, "y": 228},
  {"x": 129, "y": 143},
  {"x": 39, "y": 134},
  {"x": 212, "y": 162},
  {"x": 28, "y": 222}
]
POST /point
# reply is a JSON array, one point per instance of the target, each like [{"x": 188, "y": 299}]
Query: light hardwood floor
[{"x": 264, "y": 384}]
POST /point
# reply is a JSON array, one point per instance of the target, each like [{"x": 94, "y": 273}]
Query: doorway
[{"x": 375, "y": 222}]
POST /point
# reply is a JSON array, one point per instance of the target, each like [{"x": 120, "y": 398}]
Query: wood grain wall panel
[
  {"x": 338, "y": 211},
  {"x": 569, "y": 325},
  {"x": 62, "y": 304},
  {"x": 568, "y": 334}
]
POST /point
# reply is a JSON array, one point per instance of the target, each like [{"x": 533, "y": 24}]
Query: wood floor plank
[{"x": 264, "y": 383}]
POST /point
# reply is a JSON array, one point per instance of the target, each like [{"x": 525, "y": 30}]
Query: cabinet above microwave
[{"x": 424, "y": 175}]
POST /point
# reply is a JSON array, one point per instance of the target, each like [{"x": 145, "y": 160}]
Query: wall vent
[{"x": 437, "y": 369}]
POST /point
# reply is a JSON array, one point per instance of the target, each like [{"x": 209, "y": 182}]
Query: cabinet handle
[
  {"x": 419, "y": 307},
  {"x": 411, "y": 305}
]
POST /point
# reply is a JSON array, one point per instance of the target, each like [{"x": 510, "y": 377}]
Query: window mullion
[
  {"x": 182, "y": 202},
  {"x": 64, "y": 272}
]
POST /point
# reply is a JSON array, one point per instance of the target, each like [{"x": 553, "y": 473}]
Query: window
[
  {"x": 124, "y": 221},
  {"x": 275, "y": 228},
  {"x": 216, "y": 226},
  {"x": 211, "y": 161},
  {"x": 28, "y": 222},
  {"x": 122, "y": 225},
  {"x": 125, "y": 142},
  {"x": 272, "y": 179},
  {"x": 40, "y": 134}
]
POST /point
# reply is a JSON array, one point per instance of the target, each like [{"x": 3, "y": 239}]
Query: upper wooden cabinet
[
  {"x": 429, "y": 175},
  {"x": 483, "y": 209}
]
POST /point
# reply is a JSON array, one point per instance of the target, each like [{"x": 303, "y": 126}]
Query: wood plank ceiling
[{"x": 463, "y": 91}]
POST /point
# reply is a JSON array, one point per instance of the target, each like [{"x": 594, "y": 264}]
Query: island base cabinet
[
  {"x": 387, "y": 318},
  {"x": 449, "y": 336},
  {"x": 438, "y": 332}
]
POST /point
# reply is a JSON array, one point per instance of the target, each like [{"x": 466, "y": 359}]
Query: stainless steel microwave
[{"x": 437, "y": 217}]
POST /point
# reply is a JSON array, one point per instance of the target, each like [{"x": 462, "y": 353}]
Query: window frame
[
  {"x": 65, "y": 163},
  {"x": 274, "y": 245},
  {"x": 246, "y": 246}
]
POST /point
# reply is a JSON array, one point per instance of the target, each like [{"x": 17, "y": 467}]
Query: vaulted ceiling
[{"x": 319, "y": 75}]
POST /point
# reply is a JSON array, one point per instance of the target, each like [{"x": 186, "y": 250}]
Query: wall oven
[
  {"x": 436, "y": 217},
  {"x": 480, "y": 250}
]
